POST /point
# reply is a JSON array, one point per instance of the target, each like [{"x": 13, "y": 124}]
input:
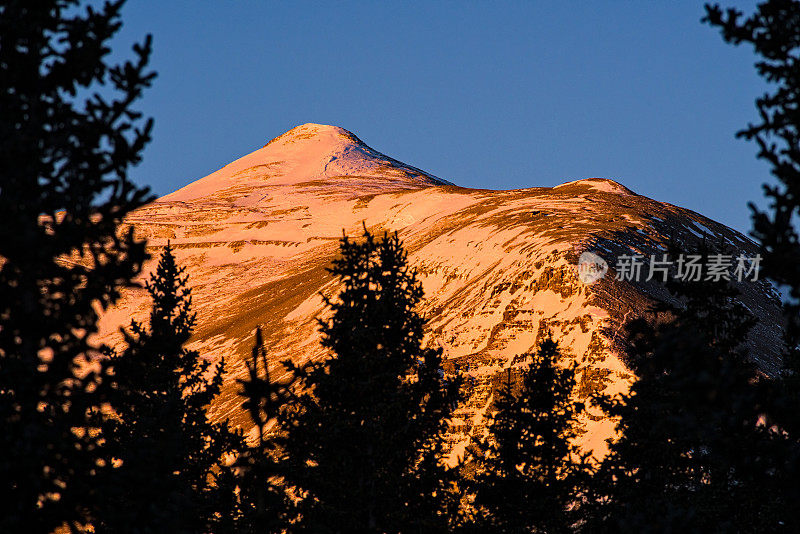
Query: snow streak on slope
[{"x": 498, "y": 267}]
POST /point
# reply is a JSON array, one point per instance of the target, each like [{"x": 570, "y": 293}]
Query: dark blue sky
[{"x": 495, "y": 95}]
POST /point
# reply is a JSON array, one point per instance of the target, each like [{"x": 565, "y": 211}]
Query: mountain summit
[
  {"x": 306, "y": 155},
  {"x": 499, "y": 268}
]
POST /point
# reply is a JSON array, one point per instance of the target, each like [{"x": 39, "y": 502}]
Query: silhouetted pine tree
[
  {"x": 63, "y": 194},
  {"x": 364, "y": 440},
  {"x": 263, "y": 503},
  {"x": 529, "y": 472},
  {"x": 774, "y": 32},
  {"x": 692, "y": 455},
  {"x": 168, "y": 452}
]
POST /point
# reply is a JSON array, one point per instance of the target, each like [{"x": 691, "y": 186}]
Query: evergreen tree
[
  {"x": 166, "y": 451},
  {"x": 692, "y": 454},
  {"x": 63, "y": 256},
  {"x": 530, "y": 472},
  {"x": 773, "y": 30},
  {"x": 364, "y": 439},
  {"x": 263, "y": 503}
]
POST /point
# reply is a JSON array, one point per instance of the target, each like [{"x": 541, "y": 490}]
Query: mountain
[{"x": 499, "y": 268}]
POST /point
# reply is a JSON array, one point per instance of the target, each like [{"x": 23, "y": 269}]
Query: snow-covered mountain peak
[
  {"x": 602, "y": 185},
  {"x": 311, "y": 133},
  {"x": 499, "y": 268},
  {"x": 308, "y": 155}
]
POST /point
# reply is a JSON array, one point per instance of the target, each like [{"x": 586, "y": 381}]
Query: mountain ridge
[{"x": 499, "y": 268}]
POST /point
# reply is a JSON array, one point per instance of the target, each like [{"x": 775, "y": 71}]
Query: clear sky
[{"x": 495, "y": 95}]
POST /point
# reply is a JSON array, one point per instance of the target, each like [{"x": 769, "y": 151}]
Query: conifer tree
[
  {"x": 166, "y": 452},
  {"x": 692, "y": 454},
  {"x": 773, "y": 30},
  {"x": 64, "y": 190},
  {"x": 263, "y": 504},
  {"x": 364, "y": 439},
  {"x": 530, "y": 472}
]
